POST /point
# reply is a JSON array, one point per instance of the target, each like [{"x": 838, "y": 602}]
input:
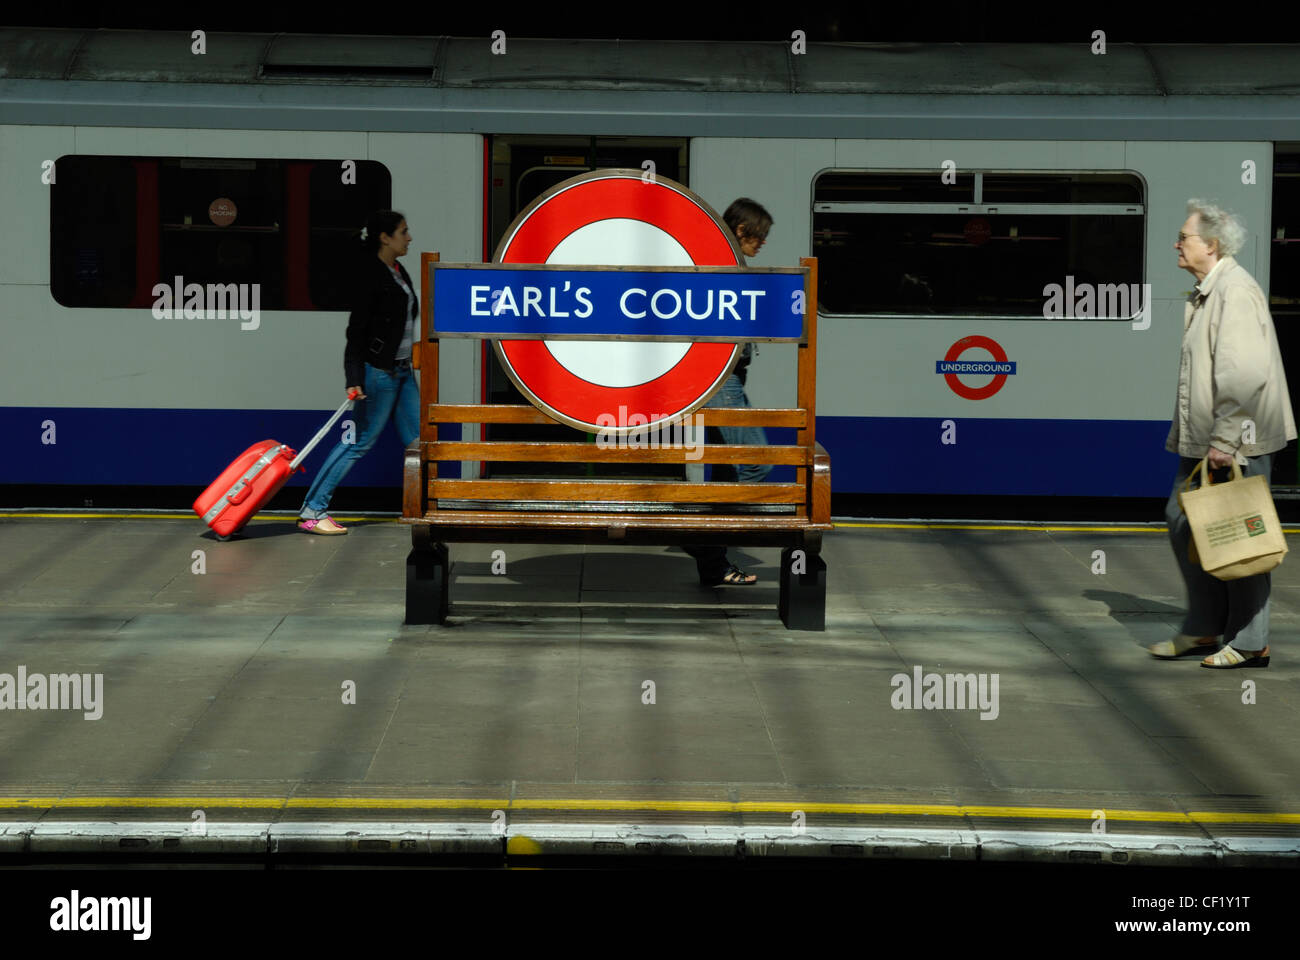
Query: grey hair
[{"x": 1219, "y": 224}]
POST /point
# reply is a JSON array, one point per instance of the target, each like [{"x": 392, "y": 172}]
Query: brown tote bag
[{"x": 1235, "y": 530}]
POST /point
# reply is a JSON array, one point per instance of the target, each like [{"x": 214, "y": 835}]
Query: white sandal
[
  {"x": 1228, "y": 658},
  {"x": 1181, "y": 646}
]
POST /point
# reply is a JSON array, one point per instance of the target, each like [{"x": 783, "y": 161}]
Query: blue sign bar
[
  {"x": 975, "y": 367},
  {"x": 700, "y": 303}
]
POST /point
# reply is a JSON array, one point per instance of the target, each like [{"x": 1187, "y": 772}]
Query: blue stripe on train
[
  {"x": 1097, "y": 458},
  {"x": 171, "y": 447},
  {"x": 1118, "y": 458}
]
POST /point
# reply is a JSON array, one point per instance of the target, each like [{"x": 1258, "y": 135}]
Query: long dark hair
[
  {"x": 381, "y": 221},
  {"x": 752, "y": 214}
]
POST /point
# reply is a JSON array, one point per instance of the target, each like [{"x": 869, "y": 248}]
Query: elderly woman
[{"x": 1230, "y": 377}]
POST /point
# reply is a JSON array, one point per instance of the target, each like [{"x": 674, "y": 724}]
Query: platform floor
[{"x": 224, "y": 692}]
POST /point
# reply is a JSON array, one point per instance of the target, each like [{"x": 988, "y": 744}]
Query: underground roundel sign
[
  {"x": 955, "y": 363},
  {"x": 618, "y": 217}
]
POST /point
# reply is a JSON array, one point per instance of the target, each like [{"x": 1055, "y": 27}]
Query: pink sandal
[{"x": 310, "y": 526}]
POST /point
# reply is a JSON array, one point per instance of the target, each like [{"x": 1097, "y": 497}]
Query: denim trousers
[
  {"x": 1236, "y": 609},
  {"x": 732, "y": 394},
  {"x": 393, "y": 395},
  {"x": 711, "y": 559}
]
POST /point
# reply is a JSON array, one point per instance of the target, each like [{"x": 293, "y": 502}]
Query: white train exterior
[{"x": 141, "y": 400}]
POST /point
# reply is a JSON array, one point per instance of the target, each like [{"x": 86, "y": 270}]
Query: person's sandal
[
  {"x": 325, "y": 526},
  {"x": 1182, "y": 646},
  {"x": 1230, "y": 659},
  {"x": 733, "y": 577}
]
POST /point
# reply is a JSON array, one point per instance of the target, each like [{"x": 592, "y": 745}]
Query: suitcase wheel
[{"x": 225, "y": 538}]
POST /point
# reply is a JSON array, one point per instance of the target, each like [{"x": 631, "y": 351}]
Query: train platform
[{"x": 981, "y": 692}]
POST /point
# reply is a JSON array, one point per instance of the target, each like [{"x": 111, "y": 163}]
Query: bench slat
[
  {"x": 524, "y": 413},
  {"x": 603, "y": 521},
  {"x": 606, "y": 490},
  {"x": 526, "y": 451}
]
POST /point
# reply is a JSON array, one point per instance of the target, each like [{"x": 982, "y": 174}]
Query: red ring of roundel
[
  {"x": 677, "y": 389},
  {"x": 960, "y": 347}
]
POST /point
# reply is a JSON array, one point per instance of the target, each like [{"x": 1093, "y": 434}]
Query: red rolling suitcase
[{"x": 255, "y": 476}]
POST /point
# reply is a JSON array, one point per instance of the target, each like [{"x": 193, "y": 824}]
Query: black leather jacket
[{"x": 378, "y": 320}]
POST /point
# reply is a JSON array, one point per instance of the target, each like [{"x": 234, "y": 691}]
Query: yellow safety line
[
  {"x": 1029, "y": 526},
  {"x": 165, "y": 516},
  {"x": 664, "y": 806}
]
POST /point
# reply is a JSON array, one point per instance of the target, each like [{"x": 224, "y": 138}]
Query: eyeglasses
[{"x": 1183, "y": 236}]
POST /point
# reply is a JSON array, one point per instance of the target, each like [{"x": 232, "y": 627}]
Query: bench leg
[
  {"x": 428, "y": 584},
  {"x": 802, "y": 604}
]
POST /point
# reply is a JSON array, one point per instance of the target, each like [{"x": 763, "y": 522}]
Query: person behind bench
[{"x": 750, "y": 222}]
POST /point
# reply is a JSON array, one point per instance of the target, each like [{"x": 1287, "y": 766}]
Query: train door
[
  {"x": 522, "y": 168},
  {"x": 1284, "y": 296}
]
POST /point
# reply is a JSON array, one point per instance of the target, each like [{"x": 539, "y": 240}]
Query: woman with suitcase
[{"x": 376, "y": 361}]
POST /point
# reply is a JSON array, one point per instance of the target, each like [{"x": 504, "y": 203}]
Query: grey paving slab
[
  {"x": 1089, "y": 748},
  {"x": 1234, "y": 765},
  {"x": 837, "y": 727},
  {"x": 480, "y": 749},
  {"x": 515, "y": 588},
  {"x": 32, "y": 548},
  {"x": 612, "y": 629},
  {"x": 21, "y": 630},
  {"x": 525, "y": 687},
  {"x": 270, "y": 738},
  {"x": 273, "y": 677},
  {"x": 131, "y": 566},
  {"x": 140, "y": 725}
]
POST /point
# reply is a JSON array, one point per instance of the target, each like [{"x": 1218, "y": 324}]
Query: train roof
[
  {"x": 752, "y": 67},
  {"x": 759, "y": 87}
]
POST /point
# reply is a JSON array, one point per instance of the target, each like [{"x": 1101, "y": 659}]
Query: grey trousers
[{"x": 1237, "y": 609}]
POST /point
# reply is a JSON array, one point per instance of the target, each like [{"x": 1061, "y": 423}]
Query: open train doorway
[
  {"x": 1284, "y": 297},
  {"x": 521, "y": 169}
]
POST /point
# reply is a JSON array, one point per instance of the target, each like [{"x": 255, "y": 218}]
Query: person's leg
[
  {"x": 727, "y": 396},
  {"x": 1207, "y": 601},
  {"x": 754, "y": 437},
  {"x": 1246, "y": 629},
  {"x": 710, "y": 561},
  {"x": 371, "y": 416},
  {"x": 719, "y": 472},
  {"x": 406, "y": 412},
  {"x": 732, "y": 394}
]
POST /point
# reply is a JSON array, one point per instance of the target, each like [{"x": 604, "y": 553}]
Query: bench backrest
[{"x": 425, "y": 492}]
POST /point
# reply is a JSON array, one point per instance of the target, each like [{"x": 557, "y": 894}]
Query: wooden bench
[{"x": 792, "y": 516}]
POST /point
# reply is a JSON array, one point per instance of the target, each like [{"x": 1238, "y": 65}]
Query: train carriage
[{"x": 1000, "y": 302}]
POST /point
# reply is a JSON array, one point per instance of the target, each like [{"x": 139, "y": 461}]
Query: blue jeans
[
  {"x": 1236, "y": 609},
  {"x": 711, "y": 560},
  {"x": 732, "y": 394},
  {"x": 394, "y": 395}
]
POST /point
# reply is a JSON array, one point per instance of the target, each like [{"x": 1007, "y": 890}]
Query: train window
[
  {"x": 223, "y": 221},
  {"x": 92, "y": 231},
  {"x": 888, "y": 244},
  {"x": 895, "y": 188},
  {"x": 121, "y": 225},
  {"x": 1066, "y": 188},
  {"x": 341, "y": 200}
]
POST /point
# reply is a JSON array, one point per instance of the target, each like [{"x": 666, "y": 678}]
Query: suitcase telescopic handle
[{"x": 347, "y": 405}]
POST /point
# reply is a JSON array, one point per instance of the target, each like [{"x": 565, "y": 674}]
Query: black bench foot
[
  {"x": 803, "y": 589},
  {"x": 428, "y": 584}
]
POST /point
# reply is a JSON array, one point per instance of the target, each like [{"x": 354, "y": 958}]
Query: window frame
[{"x": 977, "y": 207}]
